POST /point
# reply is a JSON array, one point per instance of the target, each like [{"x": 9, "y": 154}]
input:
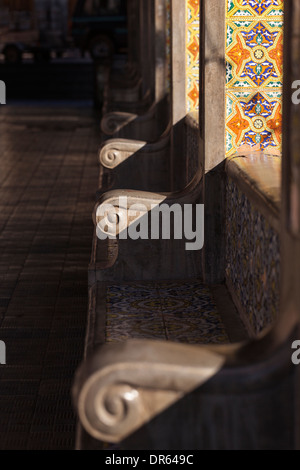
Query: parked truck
[
  {"x": 42, "y": 27},
  {"x": 100, "y": 27},
  {"x": 36, "y": 26}
]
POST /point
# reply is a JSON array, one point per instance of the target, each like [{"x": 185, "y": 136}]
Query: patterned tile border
[
  {"x": 254, "y": 74},
  {"x": 192, "y": 54},
  {"x": 175, "y": 311},
  {"x": 252, "y": 261}
]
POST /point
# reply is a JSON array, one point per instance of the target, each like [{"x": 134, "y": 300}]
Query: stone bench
[
  {"x": 152, "y": 289},
  {"x": 175, "y": 257},
  {"x": 145, "y": 352},
  {"x": 148, "y": 126},
  {"x": 160, "y": 296},
  {"x": 167, "y": 396},
  {"x": 137, "y": 105},
  {"x": 135, "y": 164}
]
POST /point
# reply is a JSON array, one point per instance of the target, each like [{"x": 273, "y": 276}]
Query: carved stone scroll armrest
[
  {"x": 115, "y": 151},
  {"x": 127, "y": 94},
  {"x": 115, "y": 121},
  {"x": 129, "y": 71},
  {"x": 139, "y": 106},
  {"x": 117, "y": 210},
  {"x": 122, "y": 387},
  {"x": 123, "y": 80}
]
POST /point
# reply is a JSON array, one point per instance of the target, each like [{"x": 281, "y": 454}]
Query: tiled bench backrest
[{"x": 253, "y": 241}]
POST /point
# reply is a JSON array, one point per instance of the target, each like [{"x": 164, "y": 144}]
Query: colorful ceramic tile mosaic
[
  {"x": 252, "y": 260},
  {"x": 175, "y": 311},
  {"x": 192, "y": 54},
  {"x": 254, "y": 72}
]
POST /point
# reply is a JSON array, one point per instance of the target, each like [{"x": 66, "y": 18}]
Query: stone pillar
[
  {"x": 212, "y": 135},
  {"x": 212, "y": 82},
  {"x": 178, "y": 92}
]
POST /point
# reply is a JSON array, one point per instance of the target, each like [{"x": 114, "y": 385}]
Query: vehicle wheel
[
  {"x": 101, "y": 47},
  {"x": 12, "y": 55}
]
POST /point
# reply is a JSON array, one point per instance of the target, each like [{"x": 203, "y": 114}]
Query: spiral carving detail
[
  {"x": 110, "y": 158},
  {"x": 111, "y": 220},
  {"x": 109, "y": 410}
]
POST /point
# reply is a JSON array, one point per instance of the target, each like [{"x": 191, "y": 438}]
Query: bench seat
[
  {"x": 179, "y": 311},
  {"x": 183, "y": 311}
]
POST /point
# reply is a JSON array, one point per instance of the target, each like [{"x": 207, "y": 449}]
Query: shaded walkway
[{"x": 48, "y": 178}]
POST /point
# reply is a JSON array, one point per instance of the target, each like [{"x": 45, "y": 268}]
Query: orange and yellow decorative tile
[
  {"x": 192, "y": 54},
  {"x": 254, "y": 74}
]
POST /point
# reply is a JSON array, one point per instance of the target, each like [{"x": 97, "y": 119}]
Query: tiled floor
[
  {"x": 48, "y": 178},
  {"x": 176, "y": 311}
]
